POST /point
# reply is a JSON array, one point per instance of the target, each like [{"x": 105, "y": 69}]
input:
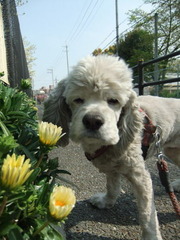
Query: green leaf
[
  {"x": 28, "y": 153},
  {"x": 53, "y": 163},
  {"x": 57, "y": 171},
  {"x": 2, "y": 117},
  {"x": 17, "y": 114},
  {"x": 15, "y": 234},
  {"x": 34, "y": 175},
  {"x": 16, "y": 196},
  {"x": 6, "y": 144},
  {"x": 59, "y": 229},
  {"x": 5, "y": 228},
  {"x": 43, "y": 196},
  {"x": 4, "y": 128},
  {"x": 50, "y": 233}
]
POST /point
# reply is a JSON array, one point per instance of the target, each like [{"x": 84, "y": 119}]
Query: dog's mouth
[{"x": 91, "y": 136}]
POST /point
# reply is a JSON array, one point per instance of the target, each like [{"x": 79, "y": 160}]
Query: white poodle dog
[{"x": 97, "y": 107}]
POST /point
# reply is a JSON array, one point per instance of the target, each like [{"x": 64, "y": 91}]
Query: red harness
[{"x": 149, "y": 129}]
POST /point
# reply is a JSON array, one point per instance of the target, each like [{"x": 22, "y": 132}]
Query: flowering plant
[{"x": 31, "y": 204}]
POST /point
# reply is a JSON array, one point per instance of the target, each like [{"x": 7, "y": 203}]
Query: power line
[
  {"x": 106, "y": 38},
  {"x": 86, "y": 20},
  {"x": 115, "y": 29},
  {"x": 98, "y": 7},
  {"x": 78, "y": 26},
  {"x": 126, "y": 28},
  {"x": 60, "y": 55}
]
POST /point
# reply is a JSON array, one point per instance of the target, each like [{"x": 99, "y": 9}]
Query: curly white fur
[{"x": 96, "y": 106}]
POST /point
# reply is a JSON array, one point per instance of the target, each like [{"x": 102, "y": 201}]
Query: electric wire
[
  {"x": 88, "y": 17},
  {"x": 126, "y": 30},
  {"x": 79, "y": 25}
]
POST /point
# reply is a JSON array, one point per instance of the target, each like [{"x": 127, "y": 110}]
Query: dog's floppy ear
[
  {"x": 130, "y": 121},
  {"x": 57, "y": 111}
]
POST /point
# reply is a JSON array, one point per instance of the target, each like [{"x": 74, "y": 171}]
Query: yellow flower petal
[
  {"x": 62, "y": 201},
  {"x": 49, "y": 133},
  {"x": 15, "y": 171}
]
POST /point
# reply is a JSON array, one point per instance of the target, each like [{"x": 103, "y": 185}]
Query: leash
[
  {"x": 150, "y": 132},
  {"x": 164, "y": 172}
]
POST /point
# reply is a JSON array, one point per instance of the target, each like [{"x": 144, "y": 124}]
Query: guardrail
[{"x": 140, "y": 66}]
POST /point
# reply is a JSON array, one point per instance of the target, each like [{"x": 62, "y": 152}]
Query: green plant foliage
[
  {"x": 24, "y": 210},
  {"x": 25, "y": 84}
]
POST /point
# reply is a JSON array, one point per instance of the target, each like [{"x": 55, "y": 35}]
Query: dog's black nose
[{"x": 93, "y": 121}]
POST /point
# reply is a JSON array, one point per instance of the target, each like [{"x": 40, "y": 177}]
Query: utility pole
[
  {"x": 156, "y": 74},
  {"x": 52, "y": 74},
  {"x": 117, "y": 27},
  {"x": 67, "y": 59}
]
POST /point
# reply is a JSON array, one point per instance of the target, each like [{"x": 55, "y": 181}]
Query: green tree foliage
[
  {"x": 30, "y": 51},
  {"x": 168, "y": 23},
  {"x": 168, "y": 12},
  {"x": 136, "y": 45},
  {"x": 97, "y": 51}
]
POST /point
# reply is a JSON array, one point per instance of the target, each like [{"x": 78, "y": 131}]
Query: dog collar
[{"x": 97, "y": 153}]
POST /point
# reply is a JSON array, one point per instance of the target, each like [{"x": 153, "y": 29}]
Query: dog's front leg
[
  {"x": 108, "y": 199},
  {"x": 142, "y": 185}
]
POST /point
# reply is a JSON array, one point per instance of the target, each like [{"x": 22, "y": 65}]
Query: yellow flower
[
  {"x": 35, "y": 109},
  {"x": 15, "y": 171},
  {"x": 49, "y": 133},
  {"x": 62, "y": 201}
]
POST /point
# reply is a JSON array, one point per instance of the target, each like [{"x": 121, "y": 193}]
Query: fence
[
  {"x": 16, "y": 58},
  {"x": 141, "y": 66}
]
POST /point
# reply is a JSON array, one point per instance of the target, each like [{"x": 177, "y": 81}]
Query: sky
[{"x": 68, "y": 30}]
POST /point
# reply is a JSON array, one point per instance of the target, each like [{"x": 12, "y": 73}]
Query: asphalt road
[{"x": 121, "y": 222}]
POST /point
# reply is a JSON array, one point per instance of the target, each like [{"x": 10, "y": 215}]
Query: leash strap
[
  {"x": 164, "y": 178},
  {"x": 164, "y": 172}
]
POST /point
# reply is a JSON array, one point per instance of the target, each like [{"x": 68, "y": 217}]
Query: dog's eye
[
  {"x": 112, "y": 101},
  {"x": 78, "y": 100}
]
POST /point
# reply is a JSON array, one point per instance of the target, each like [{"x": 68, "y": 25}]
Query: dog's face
[{"x": 96, "y": 91}]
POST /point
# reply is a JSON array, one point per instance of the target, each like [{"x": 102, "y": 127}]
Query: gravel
[{"x": 120, "y": 222}]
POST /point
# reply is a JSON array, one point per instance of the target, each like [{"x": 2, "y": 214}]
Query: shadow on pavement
[
  {"x": 84, "y": 236},
  {"x": 123, "y": 213}
]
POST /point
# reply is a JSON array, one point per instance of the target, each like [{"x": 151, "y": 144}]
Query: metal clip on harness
[{"x": 163, "y": 170}]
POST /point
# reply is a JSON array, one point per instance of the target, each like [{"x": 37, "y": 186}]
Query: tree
[
  {"x": 134, "y": 46},
  {"x": 168, "y": 12},
  {"x": 97, "y": 51},
  {"x": 20, "y": 2},
  {"x": 30, "y": 50},
  {"x": 168, "y": 23}
]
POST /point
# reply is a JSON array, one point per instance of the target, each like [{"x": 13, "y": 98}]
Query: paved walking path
[{"x": 120, "y": 222}]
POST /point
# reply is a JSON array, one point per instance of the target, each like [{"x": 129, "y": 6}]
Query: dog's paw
[
  {"x": 100, "y": 200},
  {"x": 176, "y": 185}
]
